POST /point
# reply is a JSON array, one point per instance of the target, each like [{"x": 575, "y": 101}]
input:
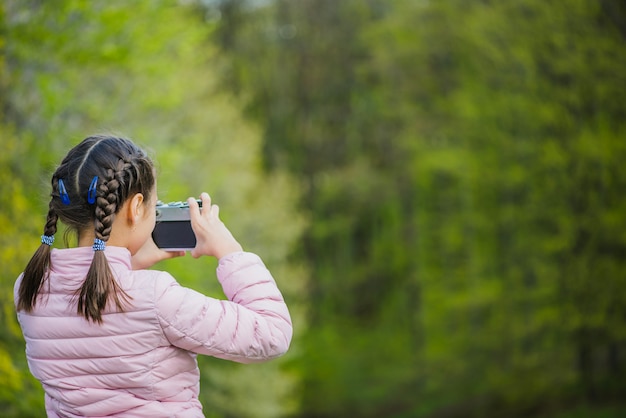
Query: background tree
[{"x": 461, "y": 167}]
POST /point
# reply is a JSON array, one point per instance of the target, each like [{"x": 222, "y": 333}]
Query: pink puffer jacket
[{"x": 142, "y": 363}]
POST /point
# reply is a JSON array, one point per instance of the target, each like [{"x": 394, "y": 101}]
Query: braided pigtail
[
  {"x": 100, "y": 284},
  {"x": 37, "y": 269}
]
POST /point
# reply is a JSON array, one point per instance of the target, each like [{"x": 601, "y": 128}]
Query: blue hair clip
[
  {"x": 91, "y": 194},
  {"x": 65, "y": 198},
  {"x": 98, "y": 245}
]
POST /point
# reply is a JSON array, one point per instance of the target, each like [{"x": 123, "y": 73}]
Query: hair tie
[
  {"x": 91, "y": 194},
  {"x": 98, "y": 245},
  {"x": 65, "y": 198},
  {"x": 47, "y": 239}
]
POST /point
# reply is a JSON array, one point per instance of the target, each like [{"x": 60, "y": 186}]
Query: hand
[
  {"x": 212, "y": 236},
  {"x": 149, "y": 254}
]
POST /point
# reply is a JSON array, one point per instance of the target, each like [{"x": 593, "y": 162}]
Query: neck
[{"x": 86, "y": 239}]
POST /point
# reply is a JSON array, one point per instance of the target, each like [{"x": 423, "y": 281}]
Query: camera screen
[{"x": 174, "y": 235}]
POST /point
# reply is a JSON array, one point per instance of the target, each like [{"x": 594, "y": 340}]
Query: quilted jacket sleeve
[{"x": 253, "y": 325}]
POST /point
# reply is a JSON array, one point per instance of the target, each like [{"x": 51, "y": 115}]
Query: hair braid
[
  {"x": 125, "y": 176},
  {"x": 106, "y": 205},
  {"x": 51, "y": 221},
  {"x": 100, "y": 285},
  {"x": 37, "y": 269}
]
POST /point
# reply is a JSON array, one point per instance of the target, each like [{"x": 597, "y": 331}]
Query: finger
[
  {"x": 206, "y": 200},
  {"x": 194, "y": 209},
  {"x": 215, "y": 210},
  {"x": 166, "y": 255}
]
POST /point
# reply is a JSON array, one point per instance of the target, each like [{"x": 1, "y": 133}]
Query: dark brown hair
[{"x": 123, "y": 169}]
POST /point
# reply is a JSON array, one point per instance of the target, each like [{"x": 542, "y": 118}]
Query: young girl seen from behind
[{"x": 105, "y": 336}]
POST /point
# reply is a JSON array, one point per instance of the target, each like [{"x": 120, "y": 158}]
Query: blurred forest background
[{"x": 438, "y": 186}]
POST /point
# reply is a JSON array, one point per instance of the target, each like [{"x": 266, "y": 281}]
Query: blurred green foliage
[
  {"x": 461, "y": 163},
  {"x": 437, "y": 186}
]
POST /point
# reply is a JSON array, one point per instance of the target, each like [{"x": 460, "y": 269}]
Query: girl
[{"x": 104, "y": 336}]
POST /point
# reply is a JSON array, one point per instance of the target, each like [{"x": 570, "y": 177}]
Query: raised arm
[{"x": 253, "y": 325}]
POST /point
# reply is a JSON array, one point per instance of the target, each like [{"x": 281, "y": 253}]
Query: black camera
[{"x": 172, "y": 231}]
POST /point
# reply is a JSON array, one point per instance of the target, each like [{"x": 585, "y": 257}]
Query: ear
[{"x": 136, "y": 208}]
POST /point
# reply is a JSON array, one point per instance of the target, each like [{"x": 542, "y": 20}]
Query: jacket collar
[{"x": 75, "y": 260}]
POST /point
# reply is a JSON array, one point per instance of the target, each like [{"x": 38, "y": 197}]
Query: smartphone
[{"x": 172, "y": 231}]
